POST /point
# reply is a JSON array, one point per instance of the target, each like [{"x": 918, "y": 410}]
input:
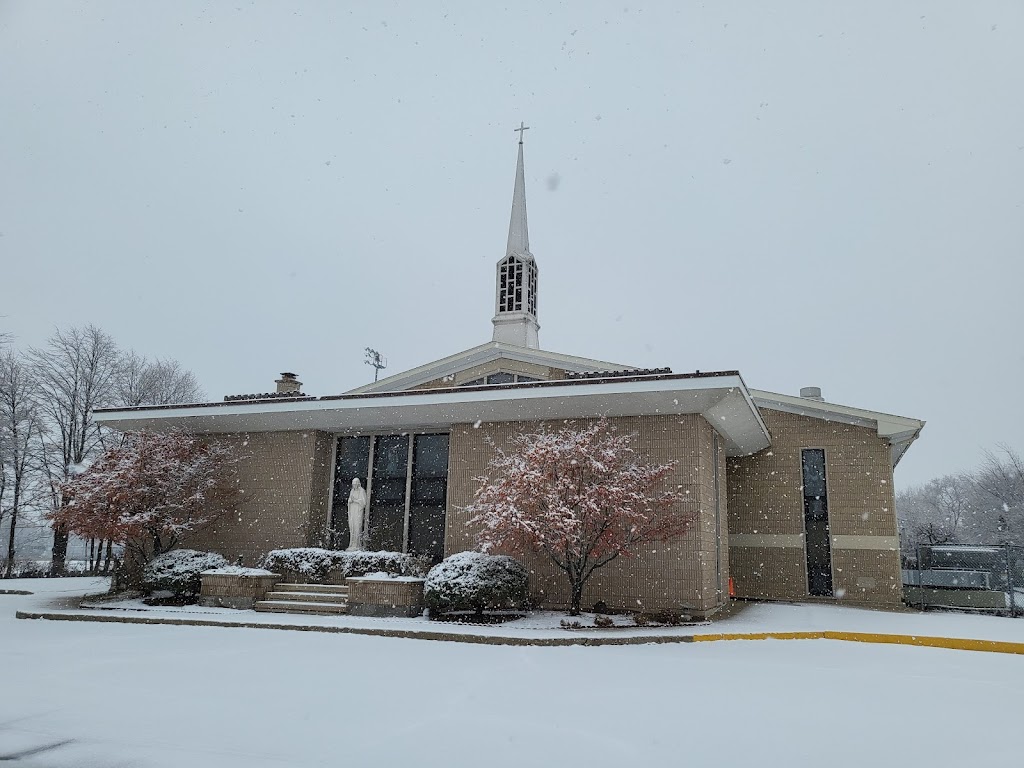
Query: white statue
[{"x": 356, "y": 507}]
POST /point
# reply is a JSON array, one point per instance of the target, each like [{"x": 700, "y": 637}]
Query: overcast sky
[{"x": 813, "y": 194}]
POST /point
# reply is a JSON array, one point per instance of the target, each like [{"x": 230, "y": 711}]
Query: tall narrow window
[
  {"x": 532, "y": 307},
  {"x": 718, "y": 519},
  {"x": 388, "y": 492},
  {"x": 352, "y": 461},
  {"x": 816, "y": 527},
  {"x": 428, "y": 495}
]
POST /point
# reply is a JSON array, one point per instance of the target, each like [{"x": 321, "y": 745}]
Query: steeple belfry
[{"x": 515, "y": 315}]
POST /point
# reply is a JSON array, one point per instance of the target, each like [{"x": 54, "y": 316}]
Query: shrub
[
  {"x": 316, "y": 564},
  {"x": 641, "y": 619},
  {"x": 309, "y": 562},
  {"x": 392, "y": 563},
  {"x": 472, "y": 581},
  {"x": 567, "y": 624},
  {"x": 178, "y": 571},
  {"x": 670, "y": 618},
  {"x": 604, "y": 621}
]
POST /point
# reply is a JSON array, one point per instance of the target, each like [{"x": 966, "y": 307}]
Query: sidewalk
[{"x": 61, "y": 600}]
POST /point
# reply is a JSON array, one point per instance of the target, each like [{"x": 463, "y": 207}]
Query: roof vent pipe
[{"x": 811, "y": 393}]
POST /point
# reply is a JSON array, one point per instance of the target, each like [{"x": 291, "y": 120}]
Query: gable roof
[
  {"x": 485, "y": 353},
  {"x": 900, "y": 431}
]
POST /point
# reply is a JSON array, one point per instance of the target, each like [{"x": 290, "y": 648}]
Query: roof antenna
[{"x": 377, "y": 360}]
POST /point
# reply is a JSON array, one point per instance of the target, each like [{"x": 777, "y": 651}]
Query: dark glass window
[
  {"x": 524, "y": 379},
  {"x": 353, "y": 460},
  {"x": 816, "y": 524},
  {"x": 473, "y": 383},
  {"x": 407, "y": 502},
  {"x": 501, "y": 378},
  {"x": 429, "y": 490},
  {"x": 718, "y": 517},
  {"x": 387, "y": 493}
]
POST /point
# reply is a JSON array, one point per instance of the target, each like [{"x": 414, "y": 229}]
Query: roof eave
[{"x": 721, "y": 398}]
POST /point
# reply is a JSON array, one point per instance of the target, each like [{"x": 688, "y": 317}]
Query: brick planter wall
[
  {"x": 384, "y": 597},
  {"x": 231, "y": 591}
]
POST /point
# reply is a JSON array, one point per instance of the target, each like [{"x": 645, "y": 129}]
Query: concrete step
[
  {"x": 308, "y": 597},
  {"x": 291, "y": 606},
  {"x": 331, "y": 589}
]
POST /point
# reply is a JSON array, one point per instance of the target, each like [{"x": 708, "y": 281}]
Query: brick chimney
[{"x": 289, "y": 384}]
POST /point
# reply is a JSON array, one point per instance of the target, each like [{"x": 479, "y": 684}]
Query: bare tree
[
  {"x": 1001, "y": 480},
  {"x": 939, "y": 512},
  {"x": 74, "y": 373},
  {"x": 19, "y": 430},
  {"x": 155, "y": 382}
]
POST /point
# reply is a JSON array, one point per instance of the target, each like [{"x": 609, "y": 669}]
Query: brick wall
[
  {"x": 670, "y": 576},
  {"x": 284, "y": 476},
  {"x": 766, "y": 517}
]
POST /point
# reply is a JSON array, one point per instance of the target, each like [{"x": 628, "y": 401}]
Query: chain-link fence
[{"x": 988, "y": 577}]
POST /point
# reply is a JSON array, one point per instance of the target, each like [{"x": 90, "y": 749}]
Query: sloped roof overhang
[
  {"x": 899, "y": 431},
  {"x": 721, "y": 398}
]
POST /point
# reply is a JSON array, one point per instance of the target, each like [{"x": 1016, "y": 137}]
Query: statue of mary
[{"x": 356, "y": 508}]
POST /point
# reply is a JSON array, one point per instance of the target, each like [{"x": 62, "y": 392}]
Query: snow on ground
[
  {"x": 153, "y": 696},
  {"x": 745, "y": 617}
]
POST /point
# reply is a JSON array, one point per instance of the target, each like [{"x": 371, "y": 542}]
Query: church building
[{"x": 791, "y": 495}]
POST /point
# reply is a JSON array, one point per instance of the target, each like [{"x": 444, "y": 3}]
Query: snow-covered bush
[
  {"x": 310, "y": 563},
  {"x": 392, "y": 563},
  {"x": 178, "y": 571},
  {"x": 472, "y": 581},
  {"x": 314, "y": 564}
]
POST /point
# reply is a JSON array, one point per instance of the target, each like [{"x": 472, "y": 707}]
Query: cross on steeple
[{"x": 522, "y": 127}]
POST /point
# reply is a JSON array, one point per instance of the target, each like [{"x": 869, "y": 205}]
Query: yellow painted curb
[{"x": 952, "y": 643}]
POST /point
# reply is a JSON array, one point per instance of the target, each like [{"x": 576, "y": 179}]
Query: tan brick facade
[
  {"x": 677, "y": 576},
  {"x": 766, "y": 517},
  {"x": 285, "y": 479}
]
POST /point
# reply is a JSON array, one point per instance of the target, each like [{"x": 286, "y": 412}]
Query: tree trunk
[
  {"x": 10, "y": 543},
  {"x": 109, "y": 557},
  {"x": 128, "y": 572},
  {"x": 58, "y": 562},
  {"x": 91, "y": 565},
  {"x": 577, "y": 597}
]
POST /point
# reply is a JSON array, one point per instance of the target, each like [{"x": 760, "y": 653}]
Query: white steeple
[{"x": 515, "y": 313}]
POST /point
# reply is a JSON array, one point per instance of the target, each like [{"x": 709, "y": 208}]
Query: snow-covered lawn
[
  {"x": 207, "y": 696},
  {"x": 745, "y": 618}
]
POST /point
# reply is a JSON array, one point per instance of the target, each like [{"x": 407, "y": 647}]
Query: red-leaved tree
[
  {"x": 146, "y": 493},
  {"x": 578, "y": 495}
]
